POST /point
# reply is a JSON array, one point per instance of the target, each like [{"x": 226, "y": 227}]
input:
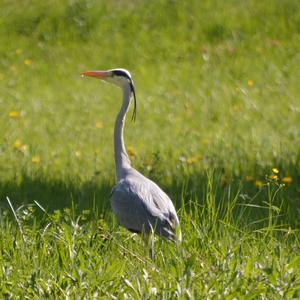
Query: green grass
[
  {"x": 218, "y": 108},
  {"x": 223, "y": 254}
]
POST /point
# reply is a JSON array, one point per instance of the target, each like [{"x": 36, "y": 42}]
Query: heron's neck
[{"x": 121, "y": 157}]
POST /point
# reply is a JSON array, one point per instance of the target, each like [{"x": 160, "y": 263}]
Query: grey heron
[{"x": 138, "y": 203}]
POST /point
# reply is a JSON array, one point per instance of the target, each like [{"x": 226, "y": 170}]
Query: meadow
[{"x": 218, "y": 115}]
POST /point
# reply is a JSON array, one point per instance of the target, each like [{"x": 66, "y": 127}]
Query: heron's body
[
  {"x": 137, "y": 202},
  {"x": 141, "y": 206}
]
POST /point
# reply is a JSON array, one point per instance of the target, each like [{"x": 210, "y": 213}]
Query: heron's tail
[{"x": 172, "y": 233}]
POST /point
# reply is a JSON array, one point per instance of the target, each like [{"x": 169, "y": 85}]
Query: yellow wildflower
[
  {"x": 97, "y": 151},
  {"x": 18, "y": 51},
  {"x": 77, "y": 153},
  {"x": 13, "y": 114},
  {"x": 35, "y": 159},
  {"x": 275, "y": 170},
  {"x": 273, "y": 177},
  {"x": 18, "y": 144},
  {"x": 250, "y": 83},
  {"x": 287, "y": 179},
  {"x": 258, "y": 183},
  {"x": 249, "y": 178},
  {"x": 131, "y": 151},
  {"x": 99, "y": 125},
  {"x": 27, "y": 62}
]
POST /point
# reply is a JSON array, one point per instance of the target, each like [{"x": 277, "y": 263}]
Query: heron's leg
[{"x": 152, "y": 248}]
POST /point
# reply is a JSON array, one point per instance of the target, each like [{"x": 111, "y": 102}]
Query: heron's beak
[{"x": 96, "y": 74}]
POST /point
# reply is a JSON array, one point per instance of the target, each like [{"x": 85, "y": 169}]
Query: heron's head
[{"x": 119, "y": 77}]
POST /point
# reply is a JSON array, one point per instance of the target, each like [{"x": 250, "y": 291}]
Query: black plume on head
[{"x": 134, "y": 97}]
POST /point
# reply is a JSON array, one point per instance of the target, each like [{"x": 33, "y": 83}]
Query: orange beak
[{"x": 96, "y": 74}]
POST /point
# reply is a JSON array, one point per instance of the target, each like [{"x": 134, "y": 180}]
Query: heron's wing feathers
[{"x": 142, "y": 206}]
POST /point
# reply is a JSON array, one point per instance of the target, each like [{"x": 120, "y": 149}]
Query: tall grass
[{"x": 225, "y": 253}]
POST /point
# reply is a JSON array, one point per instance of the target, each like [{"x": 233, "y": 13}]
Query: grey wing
[{"x": 138, "y": 209}]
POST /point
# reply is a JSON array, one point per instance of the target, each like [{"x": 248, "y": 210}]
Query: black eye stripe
[{"x": 121, "y": 73}]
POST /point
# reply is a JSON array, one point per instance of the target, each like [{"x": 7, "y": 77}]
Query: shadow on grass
[
  {"x": 55, "y": 194},
  {"x": 200, "y": 188}
]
